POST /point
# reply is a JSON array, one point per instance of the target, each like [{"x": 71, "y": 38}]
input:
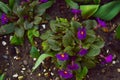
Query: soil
[{"x": 16, "y": 63}]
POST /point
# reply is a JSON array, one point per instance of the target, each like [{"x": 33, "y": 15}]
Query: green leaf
[
  {"x": 67, "y": 39},
  {"x": 117, "y": 34},
  {"x": 42, "y": 7},
  {"x": 96, "y": 1},
  {"x": 31, "y": 34},
  {"x": 93, "y": 52},
  {"x": 89, "y": 24},
  {"x": 28, "y": 25},
  {"x": 99, "y": 43},
  {"x": 54, "y": 45},
  {"x": 16, "y": 40},
  {"x": 108, "y": 11},
  {"x": 81, "y": 74},
  {"x": 11, "y": 3},
  {"x": 72, "y": 4},
  {"x": 40, "y": 60},
  {"x": 37, "y": 20},
  {"x": 69, "y": 49},
  {"x": 19, "y": 31},
  {"x": 7, "y": 29},
  {"x": 34, "y": 52},
  {"x": 46, "y": 35},
  {"x": 2, "y": 77},
  {"x": 4, "y": 7},
  {"x": 88, "y": 10},
  {"x": 45, "y": 46}
]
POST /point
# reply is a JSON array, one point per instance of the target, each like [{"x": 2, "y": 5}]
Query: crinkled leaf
[
  {"x": 2, "y": 77},
  {"x": 67, "y": 39},
  {"x": 46, "y": 35},
  {"x": 7, "y": 29},
  {"x": 93, "y": 52},
  {"x": 97, "y": 1},
  {"x": 34, "y": 52},
  {"x": 81, "y": 74},
  {"x": 28, "y": 25},
  {"x": 45, "y": 46},
  {"x": 88, "y": 10},
  {"x": 54, "y": 45},
  {"x": 72, "y": 4},
  {"x": 118, "y": 32},
  {"x": 42, "y": 7},
  {"x": 89, "y": 24},
  {"x": 19, "y": 31},
  {"x": 108, "y": 11},
  {"x": 99, "y": 43},
  {"x": 69, "y": 49},
  {"x": 37, "y": 20},
  {"x": 41, "y": 58},
  {"x": 16, "y": 40},
  {"x": 4, "y": 7}
]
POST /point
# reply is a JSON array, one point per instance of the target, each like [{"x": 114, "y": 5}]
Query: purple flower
[
  {"x": 4, "y": 19},
  {"x": 109, "y": 58},
  {"x": 43, "y": 1},
  {"x": 62, "y": 56},
  {"x": 76, "y": 11},
  {"x": 73, "y": 66},
  {"x": 81, "y": 34},
  {"x": 83, "y": 52},
  {"x": 65, "y": 74},
  {"x": 101, "y": 23}
]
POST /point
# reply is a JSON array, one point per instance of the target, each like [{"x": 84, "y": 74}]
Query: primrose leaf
[
  {"x": 37, "y": 20},
  {"x": 46, "y": 35},
  {"x": 42, "y": 7},
  {"x": 118, "y": 32},
  {"x": 34, "y": 52},
  {"x": 108, "y": 11},
  {"x": 54, "y": 45},
  {"x": 69, "y": 49},
  {"x": 4, "y": 7},
  {"x": 88, "y": 10},
  {"x": 40, "y": 60},
  {"x": 97, "y": 1},
  {"x": 19, "y": 31},
  {"x": 82, "y": 73},
  {"x": 7, "y": 29},
  {"x": 45, "y": 46},
  {"x": 72, "y": 4},
  {"x": 93, "y": 52},
  {"x": 98, "y": 43},
  {"x": 2, "y": 77},
  {"x": 16, "y": 40},
  {"x": 28, "y": 25}
]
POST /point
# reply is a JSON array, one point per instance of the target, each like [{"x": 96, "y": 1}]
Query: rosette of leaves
[
  {"x": 62, "y": 37},
  {"x": 24, "y": 17}
]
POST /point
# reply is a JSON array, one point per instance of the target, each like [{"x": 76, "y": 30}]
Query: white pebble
[
  {"x": 118, "y": 69},
  {"x": 15, "y": 75},
  {"x": 23, "y": 69},
  {"x": 113, "y": 62},
  {"x": 44, "y": 70},
  {"x": 107, "y": 51},
  {"x": 34, "y": 59},
  {"x": 52, "y": 74},
  {"x": 43, "y": 25},
  {"x": 4, "y": 43}
]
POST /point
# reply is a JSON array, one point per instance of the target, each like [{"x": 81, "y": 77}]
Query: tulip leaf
[
  {"x": 88, "y": 10},
  {"x": 40, "y": 60},
  {"x": 108, "y": 11}
]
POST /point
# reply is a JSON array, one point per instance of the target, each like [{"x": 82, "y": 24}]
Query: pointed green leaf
[
  {"x": 88, "y": 10},
  {"x": 4, "y": 7},
  {"x": 118, "y": 32},
  {"x": 28, "y": 25},
  {"x": 34, "y": 53},
  {"x": 41, "y": 58},
  {"x": 7, "y": 29},
  {"x": 46, "y": 35},
  {"x": 93, "y": 52},
  {"x": 72, "y": 4},
  {"x": 108, "y": 11},
  {"x": 37, "y": 20},
  {"x": 2, "y": 77},
  {"x": 19, "y": 31},
  {"x": 11, "y": 3}
]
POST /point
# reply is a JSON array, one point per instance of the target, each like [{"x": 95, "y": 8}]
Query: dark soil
[{"x": 15, "y": 61}]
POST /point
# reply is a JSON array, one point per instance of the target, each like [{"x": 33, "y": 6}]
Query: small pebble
[
  {"x": 16, "y": 57},
  {"x": 103, "y": 70},
  {"x": 118, "y": 70},
  {"x": 22, "y": 72},
  {"x": 23, "y": 69},
  {"x": 113, "y": 62},
  {"x": 34, "y": 59},
  {"x": 15, "y": 75},
  {"x": 43, "y": 25},
  {"x": 57, "y": 78},
  {"x": 44, "y": 70},
  {"x": 25, "y": 62},
  {"x": 46, "y": 74},
  {"x": 52, "y": 74},
  {"x": 4, "y": 43},
  {"x": 39, "y": 74},
  {"x": 49, "y": 69},
  {"x": 4, "y": 56}
]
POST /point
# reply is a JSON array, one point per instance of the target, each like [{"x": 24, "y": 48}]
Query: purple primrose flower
[
  {"x": 62, "y": 56},
  {"x": 81, "y": 34},
  {"x": 73, "y": 66},
  {"x": 4, "y": 19},
  {"x": 43, "y": 1},
  {"x": 109, "y": 58},
  {"x": 65, "y": 74},
  {"x": 101, "y": 23},
  {"x": 76, "y": 11},
  {"x": 83, "y": 52}
]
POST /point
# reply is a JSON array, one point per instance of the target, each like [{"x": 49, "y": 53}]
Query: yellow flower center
[
  {"x": 82, "y": 32},
  {"x": 65, "y": 72},
  {"x": 62, "y": 55}
]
